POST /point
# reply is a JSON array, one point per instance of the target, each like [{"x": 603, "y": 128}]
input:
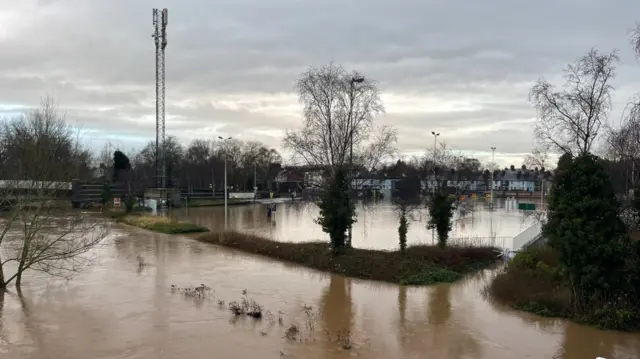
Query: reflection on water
[
  {"x": 376, "y": 226},
  {"x": 119, "y": 310}
]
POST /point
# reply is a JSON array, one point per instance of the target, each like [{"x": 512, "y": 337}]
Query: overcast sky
[{"x": 459, "y": 67}]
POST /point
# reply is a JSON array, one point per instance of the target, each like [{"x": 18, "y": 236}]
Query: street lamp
[
  {"x": 433, "y": 185},
  {"x": 225, "y": 184},
  {"x": 493, "y": 157},
  {"x": 356, "y": 79},
  {"x": 542, "y": 188},
  {"x": 435, "y": 143}
]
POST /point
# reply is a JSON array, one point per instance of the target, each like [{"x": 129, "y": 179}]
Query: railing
[
  {"x": 22, "y": 184},
  {"x": 528, "y": 236}
]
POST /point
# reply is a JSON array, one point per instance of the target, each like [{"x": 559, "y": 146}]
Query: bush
[
  {"x": 129, "y": 203},
  {"x": 533, "y": 282},
  {"x": 403, "y": 227},
  {"x": 431, "y": 275}
]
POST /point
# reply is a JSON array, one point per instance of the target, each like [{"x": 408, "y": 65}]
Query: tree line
[{"x": 199, "y": 165}]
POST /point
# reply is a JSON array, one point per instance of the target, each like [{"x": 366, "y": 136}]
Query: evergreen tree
[
  {"x": 120, "y": 164},
  {"x": 585, "y": 227},
  {"x": 337, "y": 213},
  {"x": 441, "y": 208}
]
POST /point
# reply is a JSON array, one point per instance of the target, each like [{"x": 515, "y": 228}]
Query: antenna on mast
[{"x": 160, "y": 19}]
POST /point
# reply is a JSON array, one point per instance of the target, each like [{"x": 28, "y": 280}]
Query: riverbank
[
  {"x": 158, "y": 224},
  {"x": 532, "y": 282},
  {"x": 419, "y": 265}
]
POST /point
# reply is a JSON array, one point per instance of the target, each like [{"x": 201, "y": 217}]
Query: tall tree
[
  {"x": 337, "y": 134},
  {"x": 570, "y": 119},
  {"x": 339, "y": 111}
]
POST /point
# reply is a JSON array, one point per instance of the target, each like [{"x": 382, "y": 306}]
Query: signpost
[{"x": 116, "y": 202}]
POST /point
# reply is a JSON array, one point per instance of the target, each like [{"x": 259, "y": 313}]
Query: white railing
[{"x": 527, "y": 236}]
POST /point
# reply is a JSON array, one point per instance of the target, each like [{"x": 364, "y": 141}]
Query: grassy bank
[
  {"x": 157, "y": 223},
  {"x": 533, "y": 282},
  {"x": 420, "y": 265}
]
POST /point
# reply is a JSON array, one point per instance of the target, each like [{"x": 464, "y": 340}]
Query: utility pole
[
  {"x": 435, "y": 180},
  {"x": 493, "y": 165},
  {"x": 160, "y": 20},
  {"x": 542, "y": 188},
  {"x": 352, "y": 82},
  {"x": 226, "y": 221},
  {"x": 435, "y": 143}
]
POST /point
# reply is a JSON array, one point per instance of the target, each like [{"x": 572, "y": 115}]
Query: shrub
[
  {"x": 403, "y": 227},
  {"x": 533, "y": 282},
  {"x": 129, "y": 203}
]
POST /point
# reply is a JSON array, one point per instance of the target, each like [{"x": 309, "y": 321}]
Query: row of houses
[{"x": 506, "y": 180}]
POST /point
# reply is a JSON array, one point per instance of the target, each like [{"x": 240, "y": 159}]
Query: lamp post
[
  {"x": 435, "y": 143},
  {"x": 354, "y": 80},
  {"x": 493, "y": 158},
  {"x": 542, "y": 188},
  {"x": 225, "y": 185},
  {"x": 433, "y": 186}
]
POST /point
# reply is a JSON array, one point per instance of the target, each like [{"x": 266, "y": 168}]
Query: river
[{"x": 119, "y": 309}]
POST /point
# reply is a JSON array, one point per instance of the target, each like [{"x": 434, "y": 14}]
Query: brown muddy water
[
  {"x": 119, "y": 309},
  {"x": 376, "y": 226}
]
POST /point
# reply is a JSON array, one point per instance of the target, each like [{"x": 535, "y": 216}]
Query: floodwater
[
  {"x": 119, "y": 309},
  {"x": 376, "y": 226}
]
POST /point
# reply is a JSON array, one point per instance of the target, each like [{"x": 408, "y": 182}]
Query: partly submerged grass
[
  {"x": 158, "y": 223},
  {"x": 419, "y": 265}
]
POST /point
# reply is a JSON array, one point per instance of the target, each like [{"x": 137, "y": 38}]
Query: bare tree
[
  {"x": 36, "y": 234},
  {"x": 538, "y": 157},
  {"x": 339, "y": 112},
  {"x": 634, "y": 39},
  {"x": 570, "y": 119},
  {"x": 437, "y": 165}
]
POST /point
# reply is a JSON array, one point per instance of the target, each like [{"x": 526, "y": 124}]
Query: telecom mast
[{"x": 160, "y": 37}]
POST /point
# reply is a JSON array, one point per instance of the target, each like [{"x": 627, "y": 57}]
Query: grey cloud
[{"x": 99, "y": 55}]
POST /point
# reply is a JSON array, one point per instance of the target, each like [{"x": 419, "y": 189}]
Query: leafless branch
[
  {"x": 339, "y": 111},
  {"x": 570, "y": 119},
  {"x": 37, "y": 234},
  {"x": 634, "y": 39}
]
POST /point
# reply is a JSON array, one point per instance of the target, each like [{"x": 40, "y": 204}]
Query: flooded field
[
  {"x": 376, "y": 228},
  {"x": 120, "y": 309},
  {"x": 124, "y": 307}
]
